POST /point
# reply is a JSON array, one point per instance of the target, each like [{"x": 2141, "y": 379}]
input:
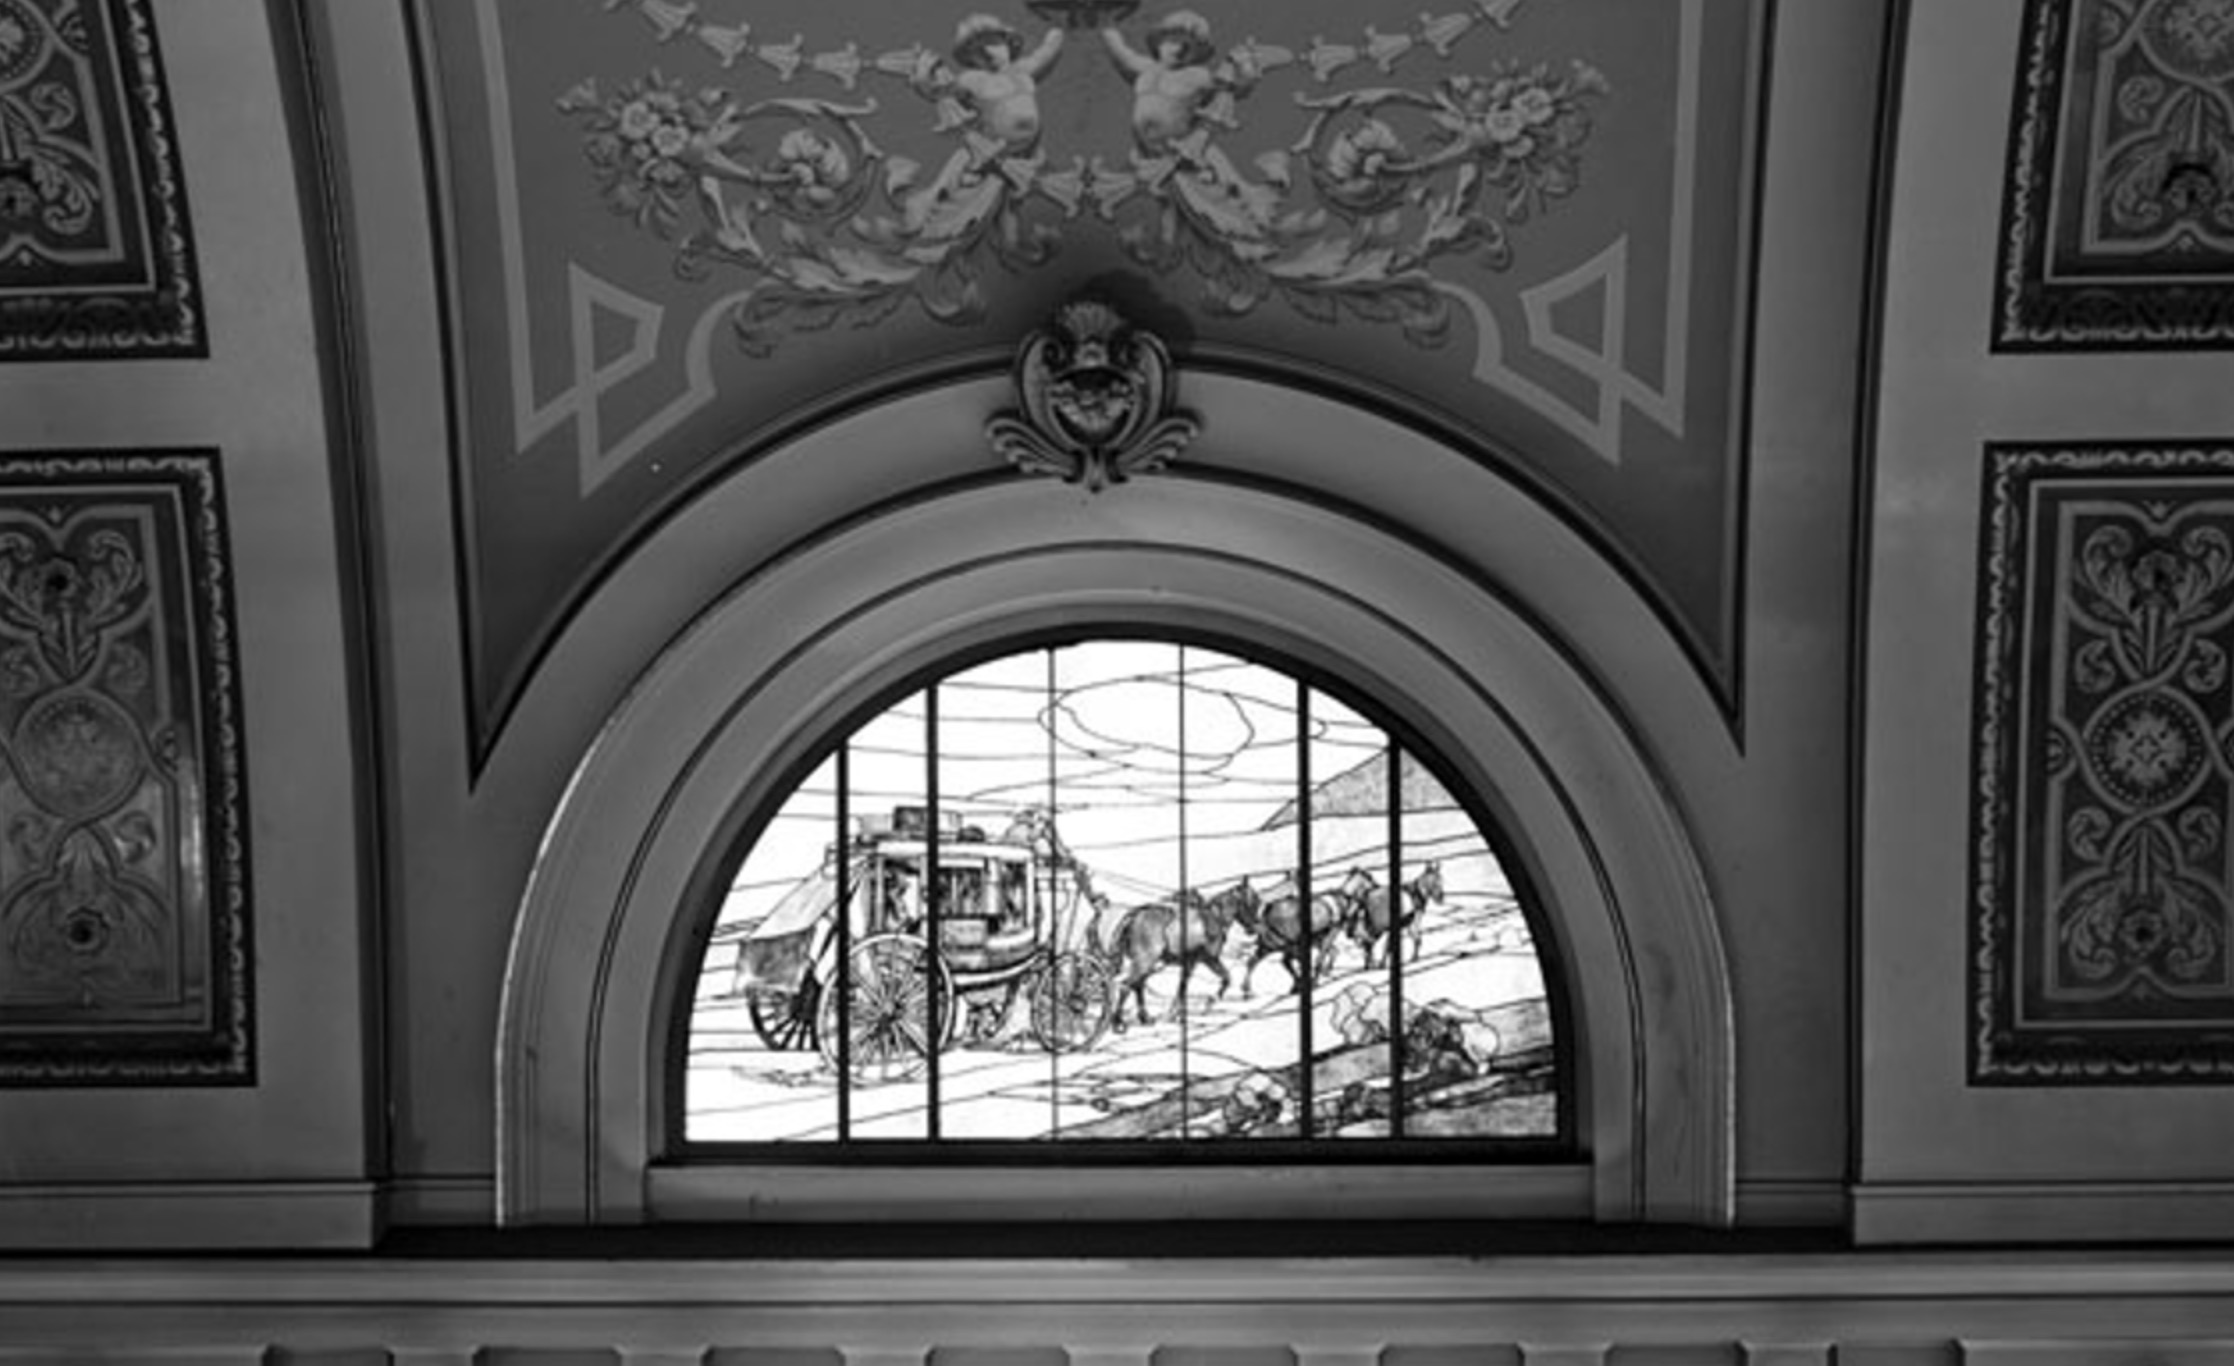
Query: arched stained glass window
[{"x": 1123, "y": 891}]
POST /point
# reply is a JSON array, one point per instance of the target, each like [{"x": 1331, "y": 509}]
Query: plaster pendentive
[
  {"x": 1521, "y": 224},
  {"x": 124, "y": 935},
  {"x": 2118, "y": 213},
  {"x": 96, "y": 261},
  {"x": 2101, "y": 862}
]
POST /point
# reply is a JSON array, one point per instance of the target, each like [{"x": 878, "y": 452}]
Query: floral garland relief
[{"x": 1381, "y": 183}]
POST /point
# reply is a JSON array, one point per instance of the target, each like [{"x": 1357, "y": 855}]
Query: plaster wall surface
[
  {"x": 303, "y": 1127},
  {"x": 1928, "y": 1137}
]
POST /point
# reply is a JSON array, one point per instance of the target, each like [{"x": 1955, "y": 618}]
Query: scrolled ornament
[{"x": 1094, "y": 397}]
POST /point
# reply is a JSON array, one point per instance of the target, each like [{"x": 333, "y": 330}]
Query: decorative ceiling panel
[
  {"x": 679, "y": 228},
  {"x": 2118, "y": 217},
  {"x": 2103, "y": 783},
  {"x": 96, "y": 261},
  {"x": 125, "y": 955}
]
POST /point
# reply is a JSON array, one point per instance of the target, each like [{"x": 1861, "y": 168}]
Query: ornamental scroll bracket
[{"x": 1094, "y": 401}]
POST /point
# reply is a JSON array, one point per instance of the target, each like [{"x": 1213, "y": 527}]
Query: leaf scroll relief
[{"x": 1375, "y": 188}]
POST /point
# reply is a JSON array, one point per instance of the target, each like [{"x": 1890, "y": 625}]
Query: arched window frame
[{"x": 600, "y": 944}]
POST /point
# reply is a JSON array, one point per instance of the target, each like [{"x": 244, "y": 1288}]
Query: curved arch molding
[
  {"x": 602, "y": 940},
  {"x": 676, "y": 240}
]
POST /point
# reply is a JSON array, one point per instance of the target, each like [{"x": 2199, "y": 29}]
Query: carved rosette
[{"x": 1094, "y": 396}]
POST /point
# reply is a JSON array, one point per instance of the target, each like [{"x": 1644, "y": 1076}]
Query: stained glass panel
[{"x": 1114, "y": 890}]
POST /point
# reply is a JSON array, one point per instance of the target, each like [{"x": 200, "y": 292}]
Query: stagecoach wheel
[
  {"x": 1071, "y": 1002},
  {"x": 783, "y": 1019},
  {"x": 890, "y": 983}
]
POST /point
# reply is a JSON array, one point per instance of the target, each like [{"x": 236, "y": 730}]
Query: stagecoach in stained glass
[{"x": 1010, "y": 914}]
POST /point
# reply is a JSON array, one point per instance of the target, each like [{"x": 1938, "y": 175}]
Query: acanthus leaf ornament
[{"x": 1095, "y": 401}]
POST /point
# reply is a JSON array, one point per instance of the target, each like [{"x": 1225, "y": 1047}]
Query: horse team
[{"x": 1191, "y": 929}]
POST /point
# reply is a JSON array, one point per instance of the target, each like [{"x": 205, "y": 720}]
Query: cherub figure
[
  {"x": 1180, "y": 93},
  {"x": 989, "y": 90},
  {"x": 998, "y": 81},
  {"x": 1175, "y": 86}
]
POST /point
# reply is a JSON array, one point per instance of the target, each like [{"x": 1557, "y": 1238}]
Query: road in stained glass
[{"x": 1074, "y": 882}]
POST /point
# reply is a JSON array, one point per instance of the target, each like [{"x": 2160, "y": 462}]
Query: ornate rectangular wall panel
[
  {"x": 124, "y": 936},
  {"x": 2104, "y": 748},
  {"x": 96, "y": 261},
  {"x": 2118, "y": 214}
]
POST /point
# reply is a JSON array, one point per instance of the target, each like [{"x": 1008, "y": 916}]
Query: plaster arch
[{"x": 714, "y": 723}]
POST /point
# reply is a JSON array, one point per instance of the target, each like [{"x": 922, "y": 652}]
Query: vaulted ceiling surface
[{"x": 679, "y": 230}]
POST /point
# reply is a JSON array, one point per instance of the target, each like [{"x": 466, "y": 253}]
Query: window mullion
[
  {"x": 1186, "y": 1024},
  {"x": 1396, "y": 909},
  {"x": 843, "y": 983},
  {"x": 1049, "y": 904},
  {"x": 1306, "y": 912},
  {"x": 934, "y": 901}
]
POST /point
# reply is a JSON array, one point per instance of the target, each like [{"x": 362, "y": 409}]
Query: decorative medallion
[
  {"x": 2149, "y": 748},
  {"x": 2102, "y": 867},
  {"x": 1096, "y": 395},
  {"x": 79, "y": 753},
  {"x": 2192, "y": 39},
  {"x": 95, "y": 257},
  {"x": 124, "y": 943},
  {"x": 2118, "y": 221}
]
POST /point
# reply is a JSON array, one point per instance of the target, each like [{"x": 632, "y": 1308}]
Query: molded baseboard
[
  {"x": 66, "y": 1216},
  {"x": 440, "y": 1200},
  {"x": 2124, "y": 1212},
  {"x": 1777, "y": 1203}
]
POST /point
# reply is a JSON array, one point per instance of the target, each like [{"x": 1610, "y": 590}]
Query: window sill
[{"x": 854, "y": 1192}]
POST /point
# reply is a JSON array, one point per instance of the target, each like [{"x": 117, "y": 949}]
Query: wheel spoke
[
  {"x": 892, "y": 984},
  {"x": 913, "y": 1029}
]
